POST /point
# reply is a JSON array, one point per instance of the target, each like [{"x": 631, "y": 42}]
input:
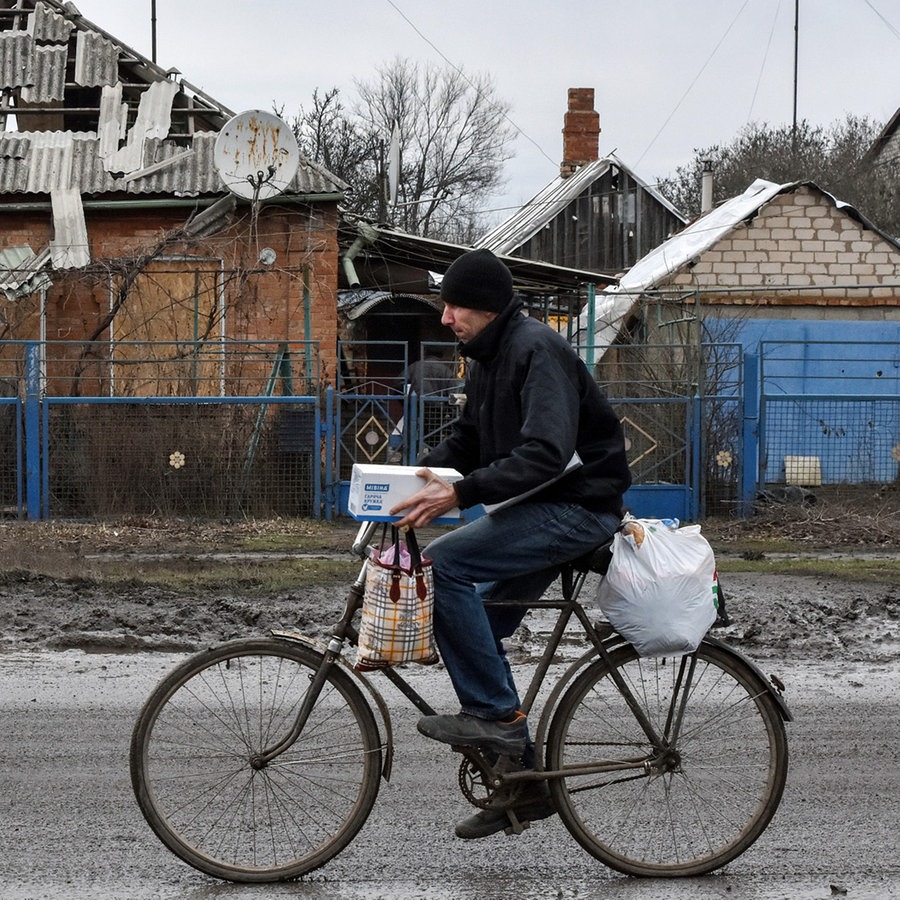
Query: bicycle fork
[{"x": 317, "y": 682}]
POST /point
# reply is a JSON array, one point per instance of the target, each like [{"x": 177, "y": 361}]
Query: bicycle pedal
[{"x": 515, "y": 825}]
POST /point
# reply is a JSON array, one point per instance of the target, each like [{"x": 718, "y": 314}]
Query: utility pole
[
  {"x": 153, "y": 30},
  {"x": 796, "y": 49}
]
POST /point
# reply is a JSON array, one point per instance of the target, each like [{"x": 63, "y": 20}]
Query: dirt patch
[{"x": 54, "y": 593}]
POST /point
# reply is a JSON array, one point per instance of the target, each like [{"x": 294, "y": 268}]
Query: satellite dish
[{"x": 256, "y": 155}]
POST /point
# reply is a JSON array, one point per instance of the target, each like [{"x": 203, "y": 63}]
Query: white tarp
[{"x": 615, "y": 303}]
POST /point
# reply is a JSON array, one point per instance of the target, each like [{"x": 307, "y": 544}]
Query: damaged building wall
[
  {"x": 289, "y": 299},
  {"x": 110, "y": 158}
]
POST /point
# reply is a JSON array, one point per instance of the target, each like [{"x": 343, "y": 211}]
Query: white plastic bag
[{"x": 661, "y": 590}]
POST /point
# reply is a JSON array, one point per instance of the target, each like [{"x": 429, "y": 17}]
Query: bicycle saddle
[{"x": 597, "y": 560}]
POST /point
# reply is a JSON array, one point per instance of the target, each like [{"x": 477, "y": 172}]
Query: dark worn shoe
[
  {"x": 533, "y": 804},
  {"x": 464, "y": 730}
]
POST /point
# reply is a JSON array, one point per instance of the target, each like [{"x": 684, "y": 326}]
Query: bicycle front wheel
[
  {"x": 693, "y": 799},
  {"x": 197, "y": 777}
]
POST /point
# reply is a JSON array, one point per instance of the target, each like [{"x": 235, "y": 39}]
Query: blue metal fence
[
  {"x": 829, "y": 412},
  {"x": 261, "y": 439}
]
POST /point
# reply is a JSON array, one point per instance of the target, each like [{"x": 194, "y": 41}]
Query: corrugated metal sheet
[
  {"x": 154, "y": 119},
  {"x": 48, "y": 75},
  {"x": 14, "y": 149},
  {"x": 89, "y": 173},
  {"x": 113, "y": 120},
  {"x": 541, "y": 208},
  {"x": 35, "y": 61},
  {"x": 196, "y": 173},
  {"x": 14, "y": 145},
  {"x": 69, "y": 248},
  {"x": 311, "y": 178},
  {"x": 22, "y": 272},
  {"x": 96, "y": 60},
  {"x": 39, "y": 162},
  {"x": 187, "y": 175},
  {"x": 49, "y": 162},
  {"x": 356, "y": 303},
  {"x": 47, "y": 25},
  {"x": 16, "y": 58},
  {"x": 552, "y": 200}
]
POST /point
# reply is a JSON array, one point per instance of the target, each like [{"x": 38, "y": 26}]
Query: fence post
[
  {"x": 592, "y": 328},
  {"x": 698, "y": 453},
  {"x": 329, "y": 477},
  {"x": 750, "y": 435},
  {"x": 33, "y": 430}
]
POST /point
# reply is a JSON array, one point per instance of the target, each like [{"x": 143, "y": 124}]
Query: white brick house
[
  {"x": 776, "y": 254},
  {"x": 782, "y": 294}
]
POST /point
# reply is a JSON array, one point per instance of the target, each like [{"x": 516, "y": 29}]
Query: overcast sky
[{"x": 669, "y": 77}]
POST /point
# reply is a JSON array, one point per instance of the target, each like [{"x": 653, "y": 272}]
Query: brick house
[
  {"x": 116, "y": 222},
  {"x": 777, "y": 261}
]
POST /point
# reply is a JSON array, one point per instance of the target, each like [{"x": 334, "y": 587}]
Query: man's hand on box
[{"x": 432, "y": 501}]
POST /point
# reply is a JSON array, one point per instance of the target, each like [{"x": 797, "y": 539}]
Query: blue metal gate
[
  {"x": 672, "y": 428},
  {"x": 830, "y": 413}
]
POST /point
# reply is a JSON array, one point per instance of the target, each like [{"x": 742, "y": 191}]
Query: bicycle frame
[{"x": 572, "y": 582}]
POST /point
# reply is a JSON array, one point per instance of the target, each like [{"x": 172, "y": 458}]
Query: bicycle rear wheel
[
  {"x": 694, "y": 803},
  {"x": 191, "y": 762}
]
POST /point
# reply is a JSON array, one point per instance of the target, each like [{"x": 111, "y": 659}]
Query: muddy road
[
  {"x": 78, "y": 656},
  {"x": 71, "y": 829}
]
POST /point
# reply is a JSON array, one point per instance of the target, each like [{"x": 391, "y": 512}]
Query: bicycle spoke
[
  {"x": 196, "y": 762},
  {"x": 713, "y": 781}
]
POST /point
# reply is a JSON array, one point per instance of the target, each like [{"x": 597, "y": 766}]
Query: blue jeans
[{"x": 515, "y": 553}]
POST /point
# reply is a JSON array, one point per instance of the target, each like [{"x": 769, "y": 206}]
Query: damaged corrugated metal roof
[
  {"x": 36, "y": 162},
  {"x": 122, "y": 125},
  {"x": 357, "y": 302},
  {"x": 22, "y": 271},
  {"x": 166, "y": 150}
]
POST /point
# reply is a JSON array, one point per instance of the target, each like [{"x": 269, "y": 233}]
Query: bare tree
[
  {"x": 344, "y": 144},
  {"x": 454, "y": 139},
  {"x": 833, "y": 157}
]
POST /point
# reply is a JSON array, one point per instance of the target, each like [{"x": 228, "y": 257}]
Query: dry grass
[
  {"x": 865, "y": 520},
  {"x": 833, "y": 536}
]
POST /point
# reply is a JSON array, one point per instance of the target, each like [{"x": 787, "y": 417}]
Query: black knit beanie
[{"x": 478, "y": 280}]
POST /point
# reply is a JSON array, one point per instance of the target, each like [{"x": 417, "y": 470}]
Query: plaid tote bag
[{"x": 398, "y": 604}]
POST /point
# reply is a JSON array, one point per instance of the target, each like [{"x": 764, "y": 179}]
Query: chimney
[
  {"x": 706, "y": 187},
  {"x": 581, "y": 131}
]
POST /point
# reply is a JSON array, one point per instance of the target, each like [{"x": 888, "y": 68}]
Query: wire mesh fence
[
  {"x": 209, "y": 459},
  {"x": 248, "y": 429},
  {"x": 830, "y": 414},
  {"x": 169, "y": 368}
]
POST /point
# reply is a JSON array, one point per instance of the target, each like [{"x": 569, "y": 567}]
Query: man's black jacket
[{"x": 530, "y": 404}]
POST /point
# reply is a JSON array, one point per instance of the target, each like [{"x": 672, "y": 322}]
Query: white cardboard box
[{"x": 375, "y": 489}]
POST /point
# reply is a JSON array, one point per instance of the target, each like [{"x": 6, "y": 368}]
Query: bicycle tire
[
  {"x": 719, "y": 789},
  {"x": 191, "y": 772}
]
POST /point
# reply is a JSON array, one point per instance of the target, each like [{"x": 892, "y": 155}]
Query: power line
[
  {"x": 765, "y": 59},
  {"x": 463, "y": 75},
  {"x": 890, "y": 27},
  {"x": 693, "y": 82}
]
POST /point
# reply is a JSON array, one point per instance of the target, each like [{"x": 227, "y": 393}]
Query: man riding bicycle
[{"x": 534, "y": 423}]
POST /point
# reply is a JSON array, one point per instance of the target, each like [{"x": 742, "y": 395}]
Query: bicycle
[{"x": 260, "y": 759}]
